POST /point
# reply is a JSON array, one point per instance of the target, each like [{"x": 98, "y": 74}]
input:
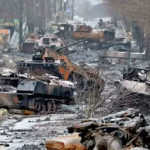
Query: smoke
[{"x": 90, "y": 9}]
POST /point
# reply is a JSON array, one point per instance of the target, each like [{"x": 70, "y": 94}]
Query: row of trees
[
  {"x": 35, "y": 12},
  {"x": 136, "y": 13}
]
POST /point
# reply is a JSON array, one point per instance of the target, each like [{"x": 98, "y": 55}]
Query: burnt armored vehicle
[
  {"x": 30, "y": 44},
  {"x": 86, "y": 32},
  {"x": 43, "y": 94},
  {"x": 47, "y": 60}
]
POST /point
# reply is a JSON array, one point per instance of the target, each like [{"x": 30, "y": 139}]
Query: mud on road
[{"x": 30, "y": 132}]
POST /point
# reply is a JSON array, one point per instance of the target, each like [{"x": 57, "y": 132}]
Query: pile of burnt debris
[
  {"x": 132, "y": 100},
  {"x": 133, "y": 91},
  {"x": 29, "y": 147},
  {"x": 126, "y": 130}
]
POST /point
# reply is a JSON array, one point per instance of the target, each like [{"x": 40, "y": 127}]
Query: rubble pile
[
  {"x": 126, "y": 130},
  {"x": 132, "y": 100},
  {"x": 29, "y": 147},
  {"x": 133, "y": 91}
]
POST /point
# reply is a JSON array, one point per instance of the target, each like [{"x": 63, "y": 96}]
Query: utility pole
[
  {"x": 55, "y": 10},
  {"x": 20, "y": 23},
  {"x": 46, "y": 13},
  {"x": 50, "y": 11},
  {"x": 73, "y": 1}
]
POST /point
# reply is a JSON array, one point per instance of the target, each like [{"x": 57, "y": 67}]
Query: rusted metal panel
[
  {"x": 68, "y": 142},
  {"x": 9, "y": 100},
  {"x": 122, "y": 55},
  {"x": 55, "y": 145}
]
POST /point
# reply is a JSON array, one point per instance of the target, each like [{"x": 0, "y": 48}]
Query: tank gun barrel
[{"x": 70, "y": 45}]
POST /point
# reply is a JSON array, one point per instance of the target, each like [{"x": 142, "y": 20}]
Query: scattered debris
[
  {"x": 134, "y": 91},
  {"x": 126, "y": 129},
  {"x": 29, "y": 147},
  {"x": 39, "y": 93}
]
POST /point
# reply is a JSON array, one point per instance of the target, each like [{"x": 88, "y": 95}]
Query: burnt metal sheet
[{"x": 136, "y": 87}]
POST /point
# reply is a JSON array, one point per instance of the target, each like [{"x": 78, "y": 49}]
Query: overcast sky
[{"x": 95, "y": 1}]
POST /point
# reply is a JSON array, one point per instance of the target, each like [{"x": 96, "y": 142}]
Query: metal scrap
[{"x": 121, "y": 131}]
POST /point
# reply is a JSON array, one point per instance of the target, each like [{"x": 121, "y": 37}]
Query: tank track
[{"x": 48, "y": 105}]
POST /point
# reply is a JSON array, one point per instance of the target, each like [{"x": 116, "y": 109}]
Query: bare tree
[{"x": 89, "y": 94}]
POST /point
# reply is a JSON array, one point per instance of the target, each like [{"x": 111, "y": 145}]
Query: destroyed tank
[
  {"x": 51, "y": 40},
  {"x": 43, "y": 94},
  {"x": 47, "y": 60},
  {"x": 86, "y": 32},
  {"x": 62, "y": 29},
  {"x": 30, "y": 44}
]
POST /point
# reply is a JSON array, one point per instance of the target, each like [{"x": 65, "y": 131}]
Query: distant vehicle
[
  {"x": 30, "y": 44},
  {"x": 52, "y": 62},
  {"x": 86, "y": 32},
  {"x": 62, "y": 28},
  {"x": 121, "y": 48},
  {"x": 43, "y": 94},
  {"x": 50, "y": 40}
]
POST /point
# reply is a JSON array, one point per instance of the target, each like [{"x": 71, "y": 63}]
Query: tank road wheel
[
  {"x": 49, "y": 106},
  {"x": 43, "y": 105},
  {"x": 54, "y": 107},
  {"x": 38, "y": 105},
  {"x": 46, "y": 106}
]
